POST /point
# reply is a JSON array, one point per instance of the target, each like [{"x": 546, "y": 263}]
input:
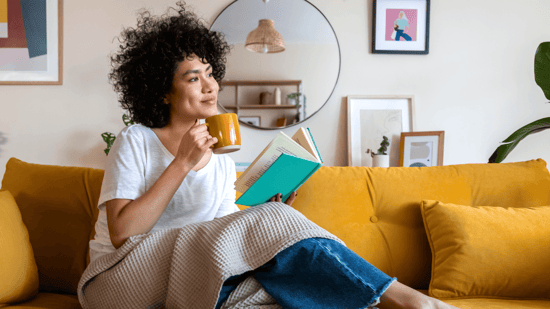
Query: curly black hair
[{"x": 143, "y": 69}]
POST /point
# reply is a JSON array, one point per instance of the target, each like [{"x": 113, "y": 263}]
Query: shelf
[
  {"x": 261, "y": 82},
  {"x": 257, "y": 106}
]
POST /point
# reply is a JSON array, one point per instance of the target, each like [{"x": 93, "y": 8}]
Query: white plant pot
[{"x": 381, "y": 161}]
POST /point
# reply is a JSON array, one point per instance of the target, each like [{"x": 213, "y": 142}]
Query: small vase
[
  {"x": 277, "y": 95},
  {"x": 290, "y": 101},
  {"x": 381, "y": 161}
]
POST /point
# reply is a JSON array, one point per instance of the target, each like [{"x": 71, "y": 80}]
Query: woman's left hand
[{"x": 278, "y": 198}]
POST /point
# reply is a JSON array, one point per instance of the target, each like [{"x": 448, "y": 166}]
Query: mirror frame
[{"x": 329, "y": 96}]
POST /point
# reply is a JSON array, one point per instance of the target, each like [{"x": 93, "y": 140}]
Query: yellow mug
[{"x": 224, "y": 127}]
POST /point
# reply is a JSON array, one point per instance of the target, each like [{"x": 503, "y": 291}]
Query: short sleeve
[
  {"x": 228, "y": 205},
  {"x": 125, "y": 169}
]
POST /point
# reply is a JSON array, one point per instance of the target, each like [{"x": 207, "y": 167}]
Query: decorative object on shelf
[
  {"x": 542, "y": 78},
  {"x": 265, "y": 98},
  {"x": 293, "y": 99},
  {"x": 35, "y": 43},
  {"x": 109, "y": 138},
  {"x": 236, "y": 21},
  {"x": 420, "y": 149},
  {"x": 408, "y": 20},
  {"x": 369, "y": 117},
  {"x": 253, "y": 120},
  {"x": 277, "y": 96},
  {"x": 381, "y": 158},
  {"x": 281, "y": 122}
]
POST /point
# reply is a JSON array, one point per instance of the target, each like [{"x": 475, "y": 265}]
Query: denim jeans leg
[
  {"x": 322, "y": 273},
  {"x": 398, "y": 34}
]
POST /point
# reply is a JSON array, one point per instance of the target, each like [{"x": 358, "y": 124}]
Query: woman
[
  {"x": 162, "y": 174},
  {"x": 400, "y": 26}
]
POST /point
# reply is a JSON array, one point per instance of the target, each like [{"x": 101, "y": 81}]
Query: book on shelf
[{"x": 282, "y": 167}]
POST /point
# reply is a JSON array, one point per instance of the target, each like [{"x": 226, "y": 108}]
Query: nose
[{"x": 210, "y": 85}]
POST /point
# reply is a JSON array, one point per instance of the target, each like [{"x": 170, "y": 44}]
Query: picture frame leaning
[
  {"x": 422, "y": 149},
  {"x": 373, "y": 116},
  {"x": 401, "y": 27},
  {"x": 31, "y": 47}
]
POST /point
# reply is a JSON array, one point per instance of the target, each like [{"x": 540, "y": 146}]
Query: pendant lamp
[{"x": 265, "y": 39}]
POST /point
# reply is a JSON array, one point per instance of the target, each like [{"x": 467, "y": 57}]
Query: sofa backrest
[
  {"x": 376, "y": 211},
  {"x": 59, "y": 208}
]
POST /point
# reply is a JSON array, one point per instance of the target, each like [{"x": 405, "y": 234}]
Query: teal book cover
[{"x": 284, "y": 176}]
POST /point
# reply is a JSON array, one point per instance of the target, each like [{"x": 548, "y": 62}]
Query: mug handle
[{"x": 208, "y": 126}]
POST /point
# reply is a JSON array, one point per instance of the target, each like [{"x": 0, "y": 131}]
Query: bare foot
[{"x": 400, "y": 296}]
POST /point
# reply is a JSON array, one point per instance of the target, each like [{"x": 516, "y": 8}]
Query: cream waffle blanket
[{"x": 186, "y": 267}]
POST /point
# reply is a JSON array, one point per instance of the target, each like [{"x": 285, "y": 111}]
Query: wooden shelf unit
[{"x": 238, "y": 83}]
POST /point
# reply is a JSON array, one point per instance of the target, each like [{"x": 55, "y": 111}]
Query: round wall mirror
[{"x": 273, "y": 87}]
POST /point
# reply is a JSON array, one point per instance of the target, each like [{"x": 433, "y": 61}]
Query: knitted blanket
[{"x": 186, "y": 267}]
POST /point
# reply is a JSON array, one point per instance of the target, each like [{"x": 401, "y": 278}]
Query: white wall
[{"x": 476, "y": 84}]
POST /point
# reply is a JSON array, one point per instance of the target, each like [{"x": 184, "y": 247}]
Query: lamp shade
[{"x": 265, "y": 39}]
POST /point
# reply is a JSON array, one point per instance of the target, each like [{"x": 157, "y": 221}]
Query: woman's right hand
[{"x": 194, "y": 144}]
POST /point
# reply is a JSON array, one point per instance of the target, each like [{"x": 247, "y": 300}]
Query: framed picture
[
  {"x": 31, "y": 42},
  {"x": 401, "y": 27},
  {"x": 370, "y": 118},
  {"x": 253, "y": 120},
  {"x": 420, "y": 149}
]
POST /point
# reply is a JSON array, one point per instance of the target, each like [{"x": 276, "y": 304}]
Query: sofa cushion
[
  {"x": 488, "y": 251},
  {"x": 18, "y": 271},
  {"x": 59, "y": 208},
  {"x": 49, "y": 301}
]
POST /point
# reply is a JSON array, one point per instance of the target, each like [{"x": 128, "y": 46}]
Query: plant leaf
[
  {"x": 513, "y": 140},
  {"x": 542, "y": 68}
]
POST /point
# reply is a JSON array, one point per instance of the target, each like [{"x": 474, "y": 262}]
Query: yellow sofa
[{"x": 396, "y": 218}]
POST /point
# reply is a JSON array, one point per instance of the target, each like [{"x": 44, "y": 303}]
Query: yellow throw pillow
[
  {"x": 18, "y": 271},
  {"x": 488, "y": 251}
]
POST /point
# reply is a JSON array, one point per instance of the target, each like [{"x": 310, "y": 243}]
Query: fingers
[
  {"x": 291, "y": 198},
  {"x": 279, "y": 198}
]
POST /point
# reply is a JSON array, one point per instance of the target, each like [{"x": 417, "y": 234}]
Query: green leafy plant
[
  {"x": 109, "y": 138},
  {"x": 383, "y": 147},
  {"x": 295, "y": 96},
  {"x": 542, "y": 78}
]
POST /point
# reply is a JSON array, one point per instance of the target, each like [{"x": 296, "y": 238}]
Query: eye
[
  {"x": 194, "y": 79},
  {"x": 211, "y": 74}
]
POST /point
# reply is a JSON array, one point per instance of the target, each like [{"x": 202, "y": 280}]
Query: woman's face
[
  {"x": 194, "y": 91},
  {"x": 400, "y": 15}
]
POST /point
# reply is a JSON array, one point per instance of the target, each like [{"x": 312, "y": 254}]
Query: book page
[
  {"x": 302, "y": 137},
  {"x": 280, "y": 144}
]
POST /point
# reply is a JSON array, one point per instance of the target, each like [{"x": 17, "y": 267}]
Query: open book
[{"x": 282, "y": 167}]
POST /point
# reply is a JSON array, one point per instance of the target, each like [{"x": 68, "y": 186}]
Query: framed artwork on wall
[
  {"x": 253, "y": 120},
  {"x": 420, "y": 149},
  {"x": 372, "y": 117},
  {"x": 401, "y": 27},
  {"x": 31, "y": 42}
]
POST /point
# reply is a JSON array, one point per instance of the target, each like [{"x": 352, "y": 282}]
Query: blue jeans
[
  {"x": 316, "y": 273},
  {"x": 400, "y": 34}
]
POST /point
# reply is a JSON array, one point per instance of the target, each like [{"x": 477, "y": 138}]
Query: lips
[{"x": 209, "y": 101}]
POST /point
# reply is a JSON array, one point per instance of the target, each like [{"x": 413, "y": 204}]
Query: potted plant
[
  {"x": 293, "y": 98},
  {"x": 381, "y": 157},
  {"x": 542, "y": 78}
]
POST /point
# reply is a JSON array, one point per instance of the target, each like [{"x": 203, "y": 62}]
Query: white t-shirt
[{"x": 136, "y": 161}]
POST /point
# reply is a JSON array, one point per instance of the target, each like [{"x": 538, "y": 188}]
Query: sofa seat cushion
[
  {"x": 18, "y": 271},
  {"x": 488, "y": 251},
  {"x": 59, "y": 208},
  {"x": 493, "y": 303},
  {"x": 49, "y": 301}
]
